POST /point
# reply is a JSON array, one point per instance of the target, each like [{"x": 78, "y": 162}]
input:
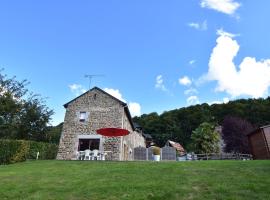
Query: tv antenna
[{"x": 91, "y": 76}]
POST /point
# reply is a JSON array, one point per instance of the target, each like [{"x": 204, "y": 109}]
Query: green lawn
[{"x": 136, "y": 180}]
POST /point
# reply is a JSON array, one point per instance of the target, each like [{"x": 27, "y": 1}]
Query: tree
[
  {"x": 54, "y": 133},
  {"x": 205, "y": 139},
  {"x": 23, "y": 114},
  {"x": 178, "y": 124},
  {"x": 234, "y": 134}
]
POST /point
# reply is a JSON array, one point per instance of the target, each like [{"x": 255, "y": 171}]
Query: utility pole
[{"x": 91, "y": 76}]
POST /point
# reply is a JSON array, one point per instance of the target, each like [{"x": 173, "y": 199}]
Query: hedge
[{"x": 12, "y": 151}]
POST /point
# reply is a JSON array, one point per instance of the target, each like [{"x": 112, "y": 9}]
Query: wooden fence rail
[{"x": 224, "y": 156}]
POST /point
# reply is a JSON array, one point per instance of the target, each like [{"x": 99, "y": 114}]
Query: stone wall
[{"x": 102, "y": 111}]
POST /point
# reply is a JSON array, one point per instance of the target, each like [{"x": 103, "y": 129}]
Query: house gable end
[
  {"x": 98, "y": 90},
  {"x": 91, "y": 90}
]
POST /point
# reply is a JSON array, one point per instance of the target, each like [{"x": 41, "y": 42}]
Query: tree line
[{"x": 237, "y": 118}]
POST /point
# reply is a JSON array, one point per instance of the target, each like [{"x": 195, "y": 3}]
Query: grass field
[{"x": 136, "y": 180}]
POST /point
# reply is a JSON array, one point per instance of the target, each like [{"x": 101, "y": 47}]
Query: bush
[
  {"x": 156, "y": 150},
  {"x": 205, "y": 139},
  {"x": 12, "y": 151}
]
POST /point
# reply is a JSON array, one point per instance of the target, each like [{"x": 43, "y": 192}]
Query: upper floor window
[{"x": 82, "y": 116}]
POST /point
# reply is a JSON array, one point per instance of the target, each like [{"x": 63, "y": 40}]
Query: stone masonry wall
[
  {"x": 102, "y": 111},
  {"x": 134, "y": 139}
]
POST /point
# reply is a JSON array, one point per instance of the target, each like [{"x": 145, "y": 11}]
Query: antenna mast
[{"x": 91, "y": 76}]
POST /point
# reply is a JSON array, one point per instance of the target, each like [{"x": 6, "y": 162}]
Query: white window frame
[{"x": 82, "y": 116}]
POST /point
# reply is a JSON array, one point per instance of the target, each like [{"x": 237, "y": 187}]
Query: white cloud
[
  {"x": 77, "y": 89},
  {"x": 185, "y": 81},
  {"x": 221, "y": 32},
  {"x": 192, "y": 100},
  {"x": 115, "y": 92},
  {"x": 159, "y": 83},
  {"x": 225, "y": 6},
  {"x": 135, "y": 109},
  {"x": 191, "y": 62},
  {"x": 225, "y": 100},
  {"x": 194, "y": 25},
  {"x": 83, "y": 90},
  {"x": 198, "y": 26},
  {"x": 251, "y": 78},
  {"x": 191, "y": 91},
  {"x": 74, "y": 87}
]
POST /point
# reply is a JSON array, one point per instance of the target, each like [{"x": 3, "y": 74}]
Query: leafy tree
[
  {"x": 54, "y": 133},
  {"x": 234, "y": 134},
  {"x": 23, "y": 114},
  {"x": 205, "y": 139},
  {"x": 178, "y": 124}
]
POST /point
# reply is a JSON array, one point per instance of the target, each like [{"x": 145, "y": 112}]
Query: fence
[
  {"x": 142, "y": 153},
  {"x": 223, "y": 156},
  {"x": 169, "y": 154}
]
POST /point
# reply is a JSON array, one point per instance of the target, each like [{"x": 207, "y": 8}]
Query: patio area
[{"x": 94, "y": 155}]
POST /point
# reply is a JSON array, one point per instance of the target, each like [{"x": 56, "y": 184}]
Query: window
[
  {"x": 88, "y": 144},
  {"x": 82, "y": 116}
]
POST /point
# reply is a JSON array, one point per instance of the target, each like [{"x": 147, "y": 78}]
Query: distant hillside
[{"x": 178, "y": 124}]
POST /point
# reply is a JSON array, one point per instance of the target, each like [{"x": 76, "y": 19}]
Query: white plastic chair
[
  {"x": 87, "y": 155},
  {"x": 103, "y": 155},
  {"x": 81, "y": 155},
  {"x": 96, "y": 155}
]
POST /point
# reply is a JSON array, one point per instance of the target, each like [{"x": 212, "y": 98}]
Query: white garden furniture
[
  {"x": 87, "y": 154},
  {"x": 96, "y": 155}
]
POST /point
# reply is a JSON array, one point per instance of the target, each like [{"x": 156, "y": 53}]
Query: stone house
[{"x": 93, "y": 110}]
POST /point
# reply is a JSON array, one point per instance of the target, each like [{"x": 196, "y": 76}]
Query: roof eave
[{"x": 129, "y": 116}]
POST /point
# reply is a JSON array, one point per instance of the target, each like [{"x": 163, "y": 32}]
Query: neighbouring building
[
  {"x": 148, "y": 138},
  {"x": 259, "y": 142},
  {"x": 89, "y": 112},
  {"x": 179, "y": 148}
]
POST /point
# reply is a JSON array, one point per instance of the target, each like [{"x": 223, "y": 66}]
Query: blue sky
[{"x": 155, "y": 55}]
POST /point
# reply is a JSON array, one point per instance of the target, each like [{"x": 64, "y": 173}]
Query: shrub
[
  {"x": 156, "y": 150},
  {"x": 12, "y": 151},
  {"x": 21, "y": 152},
  {"x": 205, "y": 139}
]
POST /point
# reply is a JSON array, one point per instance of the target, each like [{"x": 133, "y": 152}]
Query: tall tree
[
  {"x": 205, "y": 139},
  {"x": 24, "y": 115},
  {"x": 234, "y": 134}
]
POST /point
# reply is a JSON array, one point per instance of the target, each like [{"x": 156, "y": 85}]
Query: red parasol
[{"x": 112, "y": 132}]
